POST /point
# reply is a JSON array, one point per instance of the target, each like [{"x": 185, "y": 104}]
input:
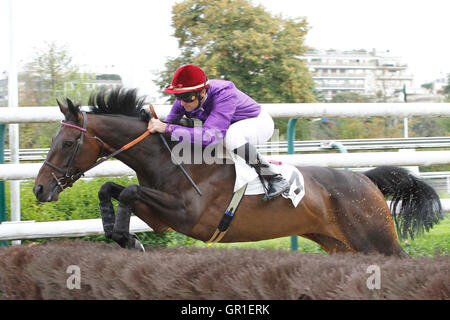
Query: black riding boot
[{"x": 277, "y": 184}]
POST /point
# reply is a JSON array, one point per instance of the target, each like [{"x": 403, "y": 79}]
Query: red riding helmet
[{"x": 188, "y": 78}]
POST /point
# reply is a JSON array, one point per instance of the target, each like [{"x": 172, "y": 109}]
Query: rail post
[
  {"x": 340, "y": 147},
  {"x": 290, "y": 136},
  {"x": 2, "y": 183}
]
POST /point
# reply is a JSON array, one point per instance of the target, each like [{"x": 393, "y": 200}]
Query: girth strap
[{"x": 225, "y": 222}]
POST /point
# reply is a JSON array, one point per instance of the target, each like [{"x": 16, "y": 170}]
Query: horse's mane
[{"x": 116, "y": 101}]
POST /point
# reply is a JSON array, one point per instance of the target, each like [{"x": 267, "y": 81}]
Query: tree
[
  {"x": 44, "y": 76},
  {"x": 49, "y": 75},
  {"x": 350, "y": 97},
  {"x": 429, "y": 86},
  {"x": 237, "y": 41}
]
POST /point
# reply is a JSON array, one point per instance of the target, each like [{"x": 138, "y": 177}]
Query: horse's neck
[{"x": 116, "y": 132}]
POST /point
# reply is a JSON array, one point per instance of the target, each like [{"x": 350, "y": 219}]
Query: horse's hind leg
[
  {"x": 107, "y": 191},
  {"x": 329, "y": 244},
  {"x": 370, "y": 229}
]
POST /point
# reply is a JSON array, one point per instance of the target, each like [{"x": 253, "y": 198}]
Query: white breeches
[{"x": 254, "y": 131}]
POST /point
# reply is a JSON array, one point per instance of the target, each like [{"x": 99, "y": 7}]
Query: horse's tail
[{"x": 415, "y": 205}]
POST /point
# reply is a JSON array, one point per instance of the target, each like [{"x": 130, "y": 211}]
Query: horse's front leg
[
  {"x": 107, "y": 191},
  {"x": 150, "y": 205},
  {"x": 121, "y": 229}
]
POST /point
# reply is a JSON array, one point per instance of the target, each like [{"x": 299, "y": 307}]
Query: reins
[{"x": 69, "y": 179}]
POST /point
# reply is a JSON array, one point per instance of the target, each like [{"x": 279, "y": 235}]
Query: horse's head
[{"x": 70, "y": 154}]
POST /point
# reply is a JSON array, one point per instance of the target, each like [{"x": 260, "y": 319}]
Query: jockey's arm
[
  {"x": 175, "y": 115},
  {"x": 156, "y": 125},
  {"x": 215, "y": 126}
]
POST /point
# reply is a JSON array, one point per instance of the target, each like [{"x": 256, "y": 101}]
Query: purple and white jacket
[{"x": 224, "y": 105}]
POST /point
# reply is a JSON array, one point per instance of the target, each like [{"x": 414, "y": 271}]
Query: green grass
[{"x": 434, "y": 242}]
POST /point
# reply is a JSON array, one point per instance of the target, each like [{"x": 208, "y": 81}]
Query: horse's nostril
[{"x": 38, "y": 189}]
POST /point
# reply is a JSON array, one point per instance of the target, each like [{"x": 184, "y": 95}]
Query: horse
[{"x": 342, "y": 210}]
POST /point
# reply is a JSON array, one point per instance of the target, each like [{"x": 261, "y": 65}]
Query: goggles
[{"x": 187, "y": 96}]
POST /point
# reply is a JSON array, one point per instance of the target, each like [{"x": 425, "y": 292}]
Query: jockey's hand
[{"x": 155, "y": 125}]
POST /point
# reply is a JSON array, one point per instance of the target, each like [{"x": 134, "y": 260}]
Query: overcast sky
[{"x": 135, "y": 36}]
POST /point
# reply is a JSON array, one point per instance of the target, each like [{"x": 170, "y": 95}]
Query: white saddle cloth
[{"x": 246, "y": 174}]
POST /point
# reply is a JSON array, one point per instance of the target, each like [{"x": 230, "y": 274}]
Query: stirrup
[{"x": 271, "y": 194}]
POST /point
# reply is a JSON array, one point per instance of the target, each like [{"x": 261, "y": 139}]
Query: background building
[{"x": 375, "y": 73}]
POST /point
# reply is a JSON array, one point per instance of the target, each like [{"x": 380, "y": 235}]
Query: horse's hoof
[{"x": 137, "y": 244}]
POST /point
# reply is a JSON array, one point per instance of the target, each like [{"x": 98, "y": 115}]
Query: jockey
[{"x": 227, "y": 114}]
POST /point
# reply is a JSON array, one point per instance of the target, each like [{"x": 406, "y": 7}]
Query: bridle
[{"x": 67, "y": 178}]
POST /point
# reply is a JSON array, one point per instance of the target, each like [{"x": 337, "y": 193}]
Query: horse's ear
[
  {"x": 62, "y": 107},
  {"x": 72, "y": 109}
]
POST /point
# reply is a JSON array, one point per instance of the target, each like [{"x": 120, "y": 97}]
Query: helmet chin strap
[{"x": 201, "y": 100}]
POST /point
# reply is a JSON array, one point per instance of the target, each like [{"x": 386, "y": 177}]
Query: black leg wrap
[
  {"x": 121, "y": 231},
  {"x": 123, "y": 219},
  {"x": 108, "y": 190},
  {"x": 108, "y": 218}
]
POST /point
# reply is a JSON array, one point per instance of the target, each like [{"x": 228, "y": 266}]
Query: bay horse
[{"x": 342, "y": 210}]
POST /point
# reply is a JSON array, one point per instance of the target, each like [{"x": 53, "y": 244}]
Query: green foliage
[
  {"x": 78, "y": 202},
  {"x": 351, "y": 97},
  {"x": 36, "y": 135},
  {"x": 428, "y": 86},
  {"x": 302, "y": 128},
  {"x": 108, "y": 77},
  {"x": 432, "y": 243},
  {"x": 444, "y": 125},
  {"x": 237, "y": 41},
  {"x": 304, "y": 245},
  {"x": 429, "y": 127}
]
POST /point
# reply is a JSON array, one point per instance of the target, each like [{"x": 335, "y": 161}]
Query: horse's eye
[{"x": 68, "y": 143}]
